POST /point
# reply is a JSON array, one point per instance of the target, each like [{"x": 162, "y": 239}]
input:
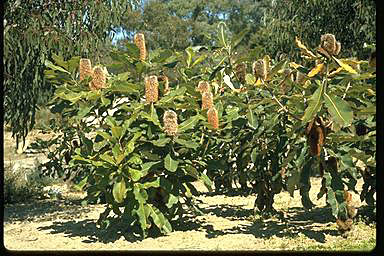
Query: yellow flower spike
[
  {"x": 98, "y": 78},
  {"x": 139, "y": 41},
  {"x": 151, "y": 89},
  {"x": 213, "y": 118},
  {"x": 207, "y": 100},
  {"x": 170, "y": 123},
  {"x": 203, "y": 87},
  {"x": 85, "y": 68}
]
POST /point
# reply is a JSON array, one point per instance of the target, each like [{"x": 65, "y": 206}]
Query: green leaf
[
  {"x": 314, "y": 104},
  {"x": 117, "y": 131},
  {"x": 345, "y": 66},
  {"x": 161, "y": 142},
  {"x": 250, "y": 79},
  {"x": 339, "y": 109},
  {"x": 147, "y": 166},
  {"x": 188, "y": 144},
  {"x": 221, "y": 34},
  {"x": 172, "y": 200},
  {"x": 135, "y": 174},
  {"x": 199, "y": 59},
  {"x": 132, "y": 50},
  {"x": 252, "y": 121},
  {"x": 119, "y": 190},
  {"x": 54, "y": 67},
  {"x": 207, "y": 181},
  {"x": 254, "y": 155},
  {"x": 170, "y": 164},
  {"x": 154, "y": 184},
  {"x": 189, "y": 123},
  {"x": 160, "y": 221},
  {"x": 107, "y": 158},
  {"x": 124, "y": 87}
]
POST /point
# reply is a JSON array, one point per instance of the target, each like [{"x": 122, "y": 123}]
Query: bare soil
[{"x": 228, "y": 223}]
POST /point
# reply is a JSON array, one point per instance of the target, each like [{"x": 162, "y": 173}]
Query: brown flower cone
[
  {"x": 260, "y": 69},
  {"x": 328, "y": 43},
  {"x": 85, "y": 67},
  {"x": 344, "y": 226},
  {"x": 315, "y": 132},
  {"x": 151, "y": 89},
  {"x": 207, "y": 100},
  {"x": 170, "y": 123},
  {"x": 139, "y": 41},
  {"x": 98, "y": 78},
  {"x": 352, "y": 211},
  {"x": 213, "y": 118},
  {"x": 203, "y": 87},
  {"x": 241, "y": 70}
]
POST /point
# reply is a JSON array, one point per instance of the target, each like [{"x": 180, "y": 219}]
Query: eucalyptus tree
[{"x": 35, "y": 31}]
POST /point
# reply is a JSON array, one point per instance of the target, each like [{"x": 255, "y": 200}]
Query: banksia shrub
[
  {"x": 203, "y": 87},
  {"x": 330, "y": 45},
  {"x": 207, "y": 100},
  {"x": 140, "y": 43},
  {"x": 151, "y": 89},
  {"x": 241, "y": 70},
  {"x": 85, "y": 68},
  {"x": 213, "y": 118},
  {"x": 260, "y": 69},
  {"x": 99, "y": 78},
  {"x": 315, "y": 132},
  {"x": 170, "y": 123}
]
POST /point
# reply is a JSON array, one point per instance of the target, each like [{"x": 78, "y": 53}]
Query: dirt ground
[{"x": 228, "y": 223}]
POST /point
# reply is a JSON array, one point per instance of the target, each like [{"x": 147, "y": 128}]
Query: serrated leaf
[
  {"x": 314, "y": 104},
  {"x": 345, "y": 66},
  {"x": 119, "y": 190},
  {"x": 221, "y": 34},
  {"x": 170, "y": 164},
  {"x": 54, "y": 67},
  {"x": 207, "y": 181},
  {"x": 107, "y": 158},
  {"x": 316, "y": 70},
  {"x": 339, "y": 109},
  {"x": 154, "y": 184},
  {"x": 159, "y": 219}
]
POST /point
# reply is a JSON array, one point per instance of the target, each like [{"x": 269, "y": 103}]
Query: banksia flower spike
[
  {"x": 85, "y": 67},
  {"x": 203, "y": 87},
  {"x": 241, "y": 70},
  {"x": 330, "y": 45},
  {"x": 207, "y": 100},
  {"x": 151, "y": 89},
  {"x": 260, "y": 69},
  {"x": 170, "y": 123},
  {"x": 140, "y": 43},
  {"x": 98, "y": 78},
  {"x": 213, "y": 118}
]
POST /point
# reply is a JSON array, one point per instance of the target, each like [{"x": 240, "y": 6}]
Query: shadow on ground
[
  {"x": 296, "y": 221},
  {"x": 43, "y": 210}
]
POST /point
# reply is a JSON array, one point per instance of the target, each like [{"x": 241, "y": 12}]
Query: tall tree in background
[
  {"x": 177, "y": 24},
  {"x": 36, "y": 29},
  {"x": 353, "y": 22}
]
